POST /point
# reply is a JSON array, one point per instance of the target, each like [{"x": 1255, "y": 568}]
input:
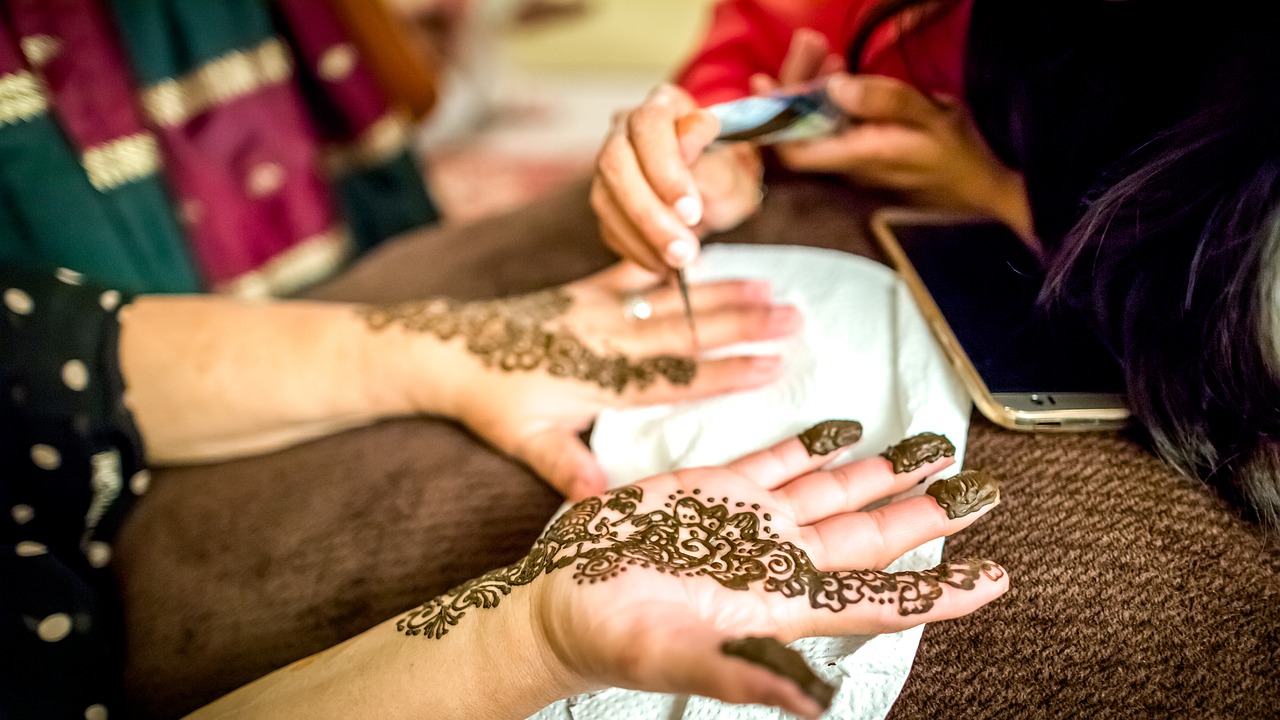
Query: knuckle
[{"x": 610, "y": 163}]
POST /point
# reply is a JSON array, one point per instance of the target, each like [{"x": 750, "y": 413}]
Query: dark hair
[
  {"x": 1177, "y": 262},
  {"x": 1171, "y": 246}
]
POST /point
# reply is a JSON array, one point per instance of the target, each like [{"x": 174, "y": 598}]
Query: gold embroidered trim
[
  {"x": 40, "y": 49},
  {"x": 234, "y": 75},
  {"x": 337, "y": 63},
  {"x": 122, "y": 161},
  {"x": 22, "y": 97},
  {"x": 387, "y": 137},
  {"x": 310, "y": 261}
]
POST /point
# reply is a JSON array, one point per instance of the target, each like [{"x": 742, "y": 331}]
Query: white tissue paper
[{"x": 865, "y": 354}]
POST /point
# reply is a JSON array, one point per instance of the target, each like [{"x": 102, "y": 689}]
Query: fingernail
[
  {"x": 689, "y": 210},
  {"x": 965, "y": 493},
  {"x": 829, "y": 436},
  {"x": 681, "y": 252},
  {"x": 917, "y": 451},
  {"x": 784, "y": 662}
]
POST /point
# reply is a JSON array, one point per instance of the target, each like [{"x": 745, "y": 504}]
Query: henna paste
[
  {"x": 604, "y": 536},
  {"x": 781, "y": 660},
  {"x": 965, "y": 493},
  {"x": 917, "y": 451},
  {"x": 514, "y": 334},
  {"x": 828, "y": 437}
]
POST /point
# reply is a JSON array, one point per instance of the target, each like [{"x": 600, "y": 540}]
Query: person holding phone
[{"x": 1146, "y": 174}]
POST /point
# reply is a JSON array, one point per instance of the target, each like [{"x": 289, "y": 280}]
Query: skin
[
  {"x": 658, "y": 184},
  {"x": 645, "y": 629},
  {"x": 519, "y": 334},
  {"x": 266, "y": 376}
]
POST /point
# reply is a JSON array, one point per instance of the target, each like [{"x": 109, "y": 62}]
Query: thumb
[
  {"x": 746, "y": 670},
  {"x": 560, "y": 458}
]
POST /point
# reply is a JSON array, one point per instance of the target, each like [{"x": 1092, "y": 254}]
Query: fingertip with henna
[
  {"x": 831, "y": 435},
  {"x": 781, "y": 660},
  {"x": 965, "y": 493}
]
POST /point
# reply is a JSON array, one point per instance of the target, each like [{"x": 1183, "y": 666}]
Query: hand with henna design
[
  {"x": 686, "y": 582},
  {"x": 540, "y": 368},
  {"x": 643, "y": 585},
  {"x": 213, "y": 378}
]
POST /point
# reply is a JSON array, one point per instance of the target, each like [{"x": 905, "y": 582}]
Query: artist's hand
[
  {"x": 927, "y": 149},
  {"x": 658, "y": 189},
  {"x": 575, "y": 353},
  {"x": 643, "y": 586}
]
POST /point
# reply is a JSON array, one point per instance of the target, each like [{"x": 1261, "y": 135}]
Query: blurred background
[{"x": 528, "y": 87}]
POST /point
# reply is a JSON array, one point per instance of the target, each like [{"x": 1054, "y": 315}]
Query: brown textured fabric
[{"x": 1135, "y": 592}]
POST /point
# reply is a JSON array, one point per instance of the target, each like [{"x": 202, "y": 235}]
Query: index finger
[
  {"x": 805, "y": 57},
  {"x": 774, "y": 466},
  {"x": 654, "y": 130}
]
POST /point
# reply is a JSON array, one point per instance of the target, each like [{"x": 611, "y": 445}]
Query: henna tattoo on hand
[
  {"x": 604, "y": 536},
  {"x": 514, "y": 334},
  {"x": 965, "y": 493},
  {"x": 781, "y": 660},
  {"x": 917, "y": 451},
  {"x": 828, "y": 437}
]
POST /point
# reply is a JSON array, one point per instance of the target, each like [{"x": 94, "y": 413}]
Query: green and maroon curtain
[{"x": 168, "y": 146}]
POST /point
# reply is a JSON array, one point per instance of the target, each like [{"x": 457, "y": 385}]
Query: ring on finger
[{"x": 635, "y": 307}]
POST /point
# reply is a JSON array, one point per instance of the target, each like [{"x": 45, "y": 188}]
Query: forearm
[
  {"x": 491, "y": 667},
  {"x": 211, "y": 378}
]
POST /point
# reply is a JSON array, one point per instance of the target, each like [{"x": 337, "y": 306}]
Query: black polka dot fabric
[{"x": 71, "y": 465}]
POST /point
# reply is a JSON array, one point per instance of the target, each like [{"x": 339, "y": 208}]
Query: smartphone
[
  {"x": 977, "y": 285},
  {"x": 797, "y": 113}
]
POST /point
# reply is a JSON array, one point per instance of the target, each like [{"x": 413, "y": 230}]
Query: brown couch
[{"x": 1136, "y": 593}]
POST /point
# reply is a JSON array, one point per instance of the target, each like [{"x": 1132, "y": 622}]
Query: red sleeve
[{"x": 752, "y": 36}]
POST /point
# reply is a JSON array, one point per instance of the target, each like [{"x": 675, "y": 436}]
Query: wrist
[
  {"x": 1005, "y": 199},
  {"x": 413, "y": 373},
  {"x": 546, "y": 662},
  {"x": 511, "y": 640}
]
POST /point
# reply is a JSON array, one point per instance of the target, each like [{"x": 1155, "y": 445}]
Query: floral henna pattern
[
  {"x": 514, "y": 334},
  {"x": 694, "y": 536}
]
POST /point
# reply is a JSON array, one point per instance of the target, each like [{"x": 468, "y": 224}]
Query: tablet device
[{"x": 977, "y": 285}]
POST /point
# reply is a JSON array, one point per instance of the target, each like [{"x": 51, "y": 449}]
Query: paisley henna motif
[
  {"x": 514, "y": 334},
  {"x": 602, "y": 537}
]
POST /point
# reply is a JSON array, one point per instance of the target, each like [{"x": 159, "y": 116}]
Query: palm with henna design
[
  {"x": 537, "y": 417},
  {"x": 540, "y": 368},
  {"x": 641, "y": 587}
]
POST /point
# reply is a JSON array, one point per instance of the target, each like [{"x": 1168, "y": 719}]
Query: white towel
[{"x": 865, "y": 354}]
